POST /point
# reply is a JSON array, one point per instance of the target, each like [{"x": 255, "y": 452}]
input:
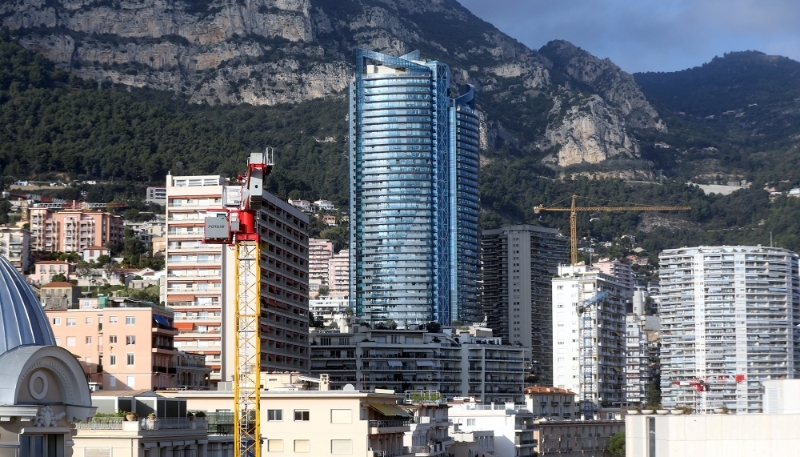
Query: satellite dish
[{"x": 348, "y": 388}]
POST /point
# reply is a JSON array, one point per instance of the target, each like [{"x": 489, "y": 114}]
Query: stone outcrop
[{"x": 267, "y": 52}]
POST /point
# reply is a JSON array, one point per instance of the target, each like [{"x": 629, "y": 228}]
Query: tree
[
  {"x": 653, "y": 394},
  {"x": 323, "y": 290},
  {"x": 103, "y": 260},
  {"x": 83, "y": 269},
  {"x": 616, "y": 445},
  {"x": 433, "y": 327},
  {"x": 59, "y": 278}
]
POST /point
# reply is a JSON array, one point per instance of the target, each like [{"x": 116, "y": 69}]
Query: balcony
[
  {"x": 402, "y": 452},
  {"x": 377, "y": 427}
]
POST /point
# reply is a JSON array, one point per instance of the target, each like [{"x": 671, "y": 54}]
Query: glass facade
[{"x": 410, "y": 171}]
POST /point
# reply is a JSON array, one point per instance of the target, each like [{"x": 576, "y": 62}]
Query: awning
[
  {"x": 424, "y": 363},
  {"x": 180, "y": 297},
  {"x": 161, "y": 320},
  {"x": 394, "y": 363},
  {"x": 184, "y": 325},
  {"x": 389, "y": 410}
]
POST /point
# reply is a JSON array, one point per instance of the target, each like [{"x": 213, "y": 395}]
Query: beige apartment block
[
  {"x": 339, "y": 274},
  {"x": 194, "y": 270},
  {"x": 320, "y": 423},
  {"x": 59, "y": 295},
  {"x": 15, "y": 245},
  {"x": 120, "y": 345},
  {"x": 552, "y": 402},
  {"x": 72, "y": 230},
  {"x": 319, "y": 255}
]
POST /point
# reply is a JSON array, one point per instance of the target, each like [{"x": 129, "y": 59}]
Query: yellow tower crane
[
  {"x": 573, "y": 217},
  {"x": 236, "y": 224}
]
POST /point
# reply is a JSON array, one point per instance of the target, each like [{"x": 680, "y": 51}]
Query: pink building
[
  {"x": 72, "y": 230},
  {"x": 621, "y": 271},
  {"x": 44, "y": 271},
  {"x": 121, "y": 345},
  {"x": 319, "y": 253},
  {"x": 339, "y": 273}
]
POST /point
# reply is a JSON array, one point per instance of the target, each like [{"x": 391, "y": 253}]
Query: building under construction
[{"x": 519, "y": 262}]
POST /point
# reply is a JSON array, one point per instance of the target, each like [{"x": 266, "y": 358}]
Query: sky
[{"x": 650, "y": 35}]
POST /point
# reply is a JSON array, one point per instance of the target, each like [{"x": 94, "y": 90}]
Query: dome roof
[{"x": 22, "y": 319}]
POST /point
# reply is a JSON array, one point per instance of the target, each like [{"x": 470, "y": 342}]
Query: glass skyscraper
[{"x": 414, "y": 199}]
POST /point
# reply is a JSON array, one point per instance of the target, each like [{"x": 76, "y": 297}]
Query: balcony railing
[
  {"x": 101, "y": 423},
  {"x": 394, "y": 453},
  {"x": 389, "y": 423}
]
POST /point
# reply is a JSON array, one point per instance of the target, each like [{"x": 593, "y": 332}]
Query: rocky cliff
[{"x": 268, "y": 52}]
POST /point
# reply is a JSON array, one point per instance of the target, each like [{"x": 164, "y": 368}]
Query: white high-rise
[
  {"x": 575, "y": 285},
  {"x": 729, "y": 320}
]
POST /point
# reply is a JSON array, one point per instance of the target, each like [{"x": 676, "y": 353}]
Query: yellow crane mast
[{"x": 573, "y": 217}]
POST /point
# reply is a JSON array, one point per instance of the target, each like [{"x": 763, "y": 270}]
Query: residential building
[
  {"x": 414, "y": 193},
  {"x": 328, "y": 308},
  {"x": 157, "y": 195},
  {"x": 729, "y": 316},
  {"x": 454, "y": 364},
  {"x": 92, "y": 253},
  {"x": 161, "y": 428},
  {"x": 512, "y": 425},
  {"x": 44, "y": 270},
  {"x": 604, "y": 380},
  {"x": 302, "y": 205},
  {"x": 324, "y": 205},
  {"x": 15, "y": 245},
  {"x": 122, "y": 344},
  {"x": 471, "y": 444},
  {"x": 191, "y": 372},
  {"x": 552, "y": 403},
  {"x": 642, "y": 352},
  {"x": 519, "y": 263},
  {"x": 320, "y": 422},
  {"x": 319, "y": 255},
  {"x": 577, "y": 438},
  {"x": 42, "y": 387},
  {"x": 193, "y": 286},
  {"x": 73, "y": 230},
  {"x": 59, "y": 295},
  {"x": 148, "y": 230},
  {"x": 339, "y": 274},
  {"x": 620, "y": 271},
  {"x": 329, "y": 220},
  {"x": 428, "y": 434},
  {"x": 712, "y": 435}
]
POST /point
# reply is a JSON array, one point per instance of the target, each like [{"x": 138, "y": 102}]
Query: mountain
[{"x": 191, "y": 87}]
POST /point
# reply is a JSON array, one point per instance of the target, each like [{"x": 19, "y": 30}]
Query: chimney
[{"x": 324, "y": 382}]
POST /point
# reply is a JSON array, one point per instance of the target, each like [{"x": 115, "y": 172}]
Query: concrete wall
[{"x": 713, "y": 435}]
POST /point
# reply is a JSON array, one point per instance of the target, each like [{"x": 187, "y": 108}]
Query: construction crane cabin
[{"x": 235, "y": 224}]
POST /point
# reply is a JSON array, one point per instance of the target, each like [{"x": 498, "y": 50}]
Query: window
[
  {"x": 274, "y": 414},
  {"x": 470, "y": 422},
  {"x": 112, "y": 381},
  {"x": 274, "y": 445},
  {"x": 88, "y": 320},
  {"x": 112, "y": 339},
  {"x": 112, "y": 359},
  {"x": 302, "y": 446},
  {"x": 42, "y": 445},
  {"x": 88, "y": 340},
  {"x": 301, "y": 415},
  {"x": 130, "y": 320},
  {"x": 131, "y": 381},
  {"x": 70, "y": 322},
  {"x": 112, "y": 319},
  {"x": 130, "y": 358},
  {"x": 341, "y": 416},
  {"x": 342, "y": 447},
  {"x": 70, "y": 341},
  {"x": 56, "y": 321},
  {"x": 130, "y": 339}
]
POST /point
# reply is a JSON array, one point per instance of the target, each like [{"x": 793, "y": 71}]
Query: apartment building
[
  {"x": 577, "y": 438},
  {"x": 642, "y": 351},
  {"x": 619, "y": 270},
  {"x": 729, "y": 319},
  {"x": 454, "y": 364},
  {"x": 72, "y": 230},
  {"x": 121, "y": 344},
  {"x": 319, "y": 255},
  {"x": 512, "y": 425},
  {"x": 193, "y": 285},
  {"x": 329, "y": 308},
  {"x": 157, "y": 195},
  {"x": 604, "y": 380},
  {"x": 147, "y": 230},
  {"x": 552, "y": 403},
  {"x": 428, "y": 429},
  {"x": 519, "y": 262},
  {"x": 15, "y": 245},
  {"x": 320, "y": 423},
  {"x": 339, "y": 274},
  {"x": 59, "y": 295},
  {"x": 44, "y": 270}
]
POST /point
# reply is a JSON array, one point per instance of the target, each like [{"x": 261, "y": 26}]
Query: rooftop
[{"x": 22, "y": 319}]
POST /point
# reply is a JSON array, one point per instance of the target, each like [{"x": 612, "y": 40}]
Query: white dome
[{"x": 22, "y": 319}]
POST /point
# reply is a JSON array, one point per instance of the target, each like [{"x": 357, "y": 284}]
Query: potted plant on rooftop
[{"x": 130, "y": 416}]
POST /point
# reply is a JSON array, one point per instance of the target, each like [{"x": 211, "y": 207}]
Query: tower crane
[
  {"x": 573, "y": 217},
  {"x": 587, "y": 350},
  {"x": 235, "y": 224}
]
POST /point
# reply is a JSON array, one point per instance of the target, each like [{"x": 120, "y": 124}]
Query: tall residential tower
[{"x": 414, "y": 192}]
